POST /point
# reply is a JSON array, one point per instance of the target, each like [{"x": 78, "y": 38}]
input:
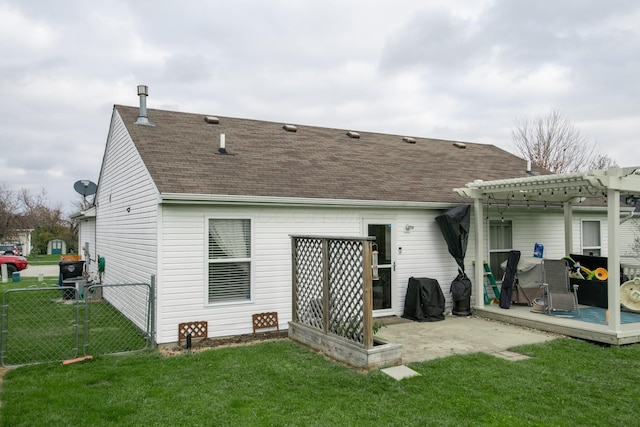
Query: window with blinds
[
  {"x": 591, "y": 243},
  {"x": 500, "y": 243},
  {"x": 229, "y": 260}
]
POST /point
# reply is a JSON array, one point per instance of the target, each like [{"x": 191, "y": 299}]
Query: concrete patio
[{"x": 423, "y": 341}]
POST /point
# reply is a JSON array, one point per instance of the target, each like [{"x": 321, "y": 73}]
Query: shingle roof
[{"x": 181, "y": 153}]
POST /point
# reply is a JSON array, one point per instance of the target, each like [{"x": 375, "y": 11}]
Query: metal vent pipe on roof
[
  {"x": 143, "y": 92},
  {"x": 223, "y": 144}
]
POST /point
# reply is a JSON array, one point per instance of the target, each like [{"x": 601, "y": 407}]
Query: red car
[{"x": 14, "y": 263}]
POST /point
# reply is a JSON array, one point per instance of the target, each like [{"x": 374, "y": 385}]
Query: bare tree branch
[{"x": 552, "y": 142}]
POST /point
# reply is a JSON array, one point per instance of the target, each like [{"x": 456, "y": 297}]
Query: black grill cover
[{"x": 424, "y": 301}]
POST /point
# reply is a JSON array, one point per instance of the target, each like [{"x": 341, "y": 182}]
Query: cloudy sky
[{"x": 451, "y": 69}]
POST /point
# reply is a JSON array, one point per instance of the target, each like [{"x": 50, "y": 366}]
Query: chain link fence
[{"x": 59, "y": 323}]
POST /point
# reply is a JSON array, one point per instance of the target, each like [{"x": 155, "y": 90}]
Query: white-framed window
[
  {"x": 229, "y": 260},
  {"x": 500, "y": 243},
  {"x": 591, "y": 240}
]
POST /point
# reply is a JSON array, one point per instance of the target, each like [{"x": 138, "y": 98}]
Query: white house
[{"x": 207, "y": 205}]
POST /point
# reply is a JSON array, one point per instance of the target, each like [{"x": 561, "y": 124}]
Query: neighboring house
[
  {"x": 86, "y": 221},
  {"x": 23, "y": 236},
  {"x": 207, "y": 205}
]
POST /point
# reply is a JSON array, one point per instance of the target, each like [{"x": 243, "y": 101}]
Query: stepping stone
[{"x": 400, "y": 372}]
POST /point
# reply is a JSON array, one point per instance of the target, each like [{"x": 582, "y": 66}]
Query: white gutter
[{"x": 214, "y": 199}]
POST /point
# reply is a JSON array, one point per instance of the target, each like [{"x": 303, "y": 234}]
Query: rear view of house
[{"x": 207, "y": 204}]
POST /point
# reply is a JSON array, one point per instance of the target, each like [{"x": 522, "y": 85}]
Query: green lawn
[
  {"x": 565, "y": 383},
  {"x": 43, "y": 259}
]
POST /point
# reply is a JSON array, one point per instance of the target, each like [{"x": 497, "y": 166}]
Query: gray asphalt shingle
[{"x": 181, "y": 153}]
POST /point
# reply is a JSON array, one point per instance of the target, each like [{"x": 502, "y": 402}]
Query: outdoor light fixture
[
  {"x": 408, "y": 228},
  {"x": 374, "y": 262}
]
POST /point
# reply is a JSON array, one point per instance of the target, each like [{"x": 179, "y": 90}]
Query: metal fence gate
[{"x": 59, "y": 323}]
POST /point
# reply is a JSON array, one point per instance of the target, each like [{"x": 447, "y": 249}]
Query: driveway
[{"x": 45, "y": 270}]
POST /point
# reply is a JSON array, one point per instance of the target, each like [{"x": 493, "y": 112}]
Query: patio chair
[{"x": 560, "y": 299}]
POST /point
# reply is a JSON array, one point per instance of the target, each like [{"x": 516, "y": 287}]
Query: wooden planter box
[{"x": 381, "y": 355}]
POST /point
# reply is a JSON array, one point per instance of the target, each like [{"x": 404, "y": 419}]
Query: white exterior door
[{"x": 384, "y": 286}]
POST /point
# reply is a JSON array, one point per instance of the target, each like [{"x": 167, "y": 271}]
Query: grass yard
[
  {"x": 43, "y": 259},
  {"x": 566, "y": 383}
]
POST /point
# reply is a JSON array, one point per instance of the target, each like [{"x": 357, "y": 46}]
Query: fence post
[
  {"x": 367, "y": 295},
  {"x": 294, "y": 281},
  {"x": 325, "y": 285},
  {"x": 152, "y": 311}
]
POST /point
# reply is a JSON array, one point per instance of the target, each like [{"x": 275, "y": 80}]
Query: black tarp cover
[
  {"x": 425, "y": 300},
  {"x": 454, "y": 225},
  {"x": 509, "y": 276}
]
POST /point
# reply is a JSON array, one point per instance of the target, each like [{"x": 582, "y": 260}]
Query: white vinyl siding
[
  {"x": 126, "y": 220},
  {"x": 183, "y": 293},
  {"x": 229, "y": 260},
  {"x": 418, "y": 252},
  {"x": 87, "y": 244}
]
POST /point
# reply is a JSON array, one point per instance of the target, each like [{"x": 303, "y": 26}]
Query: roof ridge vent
[
  {"x": 290, "y": 128},
  {"x": 212, "y": 120},
  {"x": 460, "y": 145},
  {"x": 354, "y": 135},
  {"x": 409, "y": 140}
]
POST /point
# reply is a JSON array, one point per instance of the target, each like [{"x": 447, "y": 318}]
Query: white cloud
[{"x": 461, "y": 70}]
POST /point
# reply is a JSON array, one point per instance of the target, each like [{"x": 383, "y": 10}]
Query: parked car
[
  {"x": 9, "y": 249},
  {"x": 14, "y": 263}
]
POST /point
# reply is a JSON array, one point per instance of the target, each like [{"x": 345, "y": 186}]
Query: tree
[
  {"x": 11, "y": 213},
  {"x": 24, "y": 210},
  {"x": 552, "y": 142}
]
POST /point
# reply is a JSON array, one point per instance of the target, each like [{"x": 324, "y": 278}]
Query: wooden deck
[{"x": 523, "y": 315}]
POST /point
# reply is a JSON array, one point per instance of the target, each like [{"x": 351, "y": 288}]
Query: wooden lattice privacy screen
[{"x": 332, "y": 286}]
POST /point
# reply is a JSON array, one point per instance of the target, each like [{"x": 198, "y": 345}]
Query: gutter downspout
[{"x": 628, "y": 217}]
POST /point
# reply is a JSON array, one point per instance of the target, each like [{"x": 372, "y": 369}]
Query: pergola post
[
  {"x": 613, "y": 258},
  {"x": 568, "y": 227},
  {"x": 478, "y": 294}
]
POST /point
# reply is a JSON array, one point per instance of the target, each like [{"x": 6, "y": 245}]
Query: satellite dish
[{"x": 85, "y": 187}]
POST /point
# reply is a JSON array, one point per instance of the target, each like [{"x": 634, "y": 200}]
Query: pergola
[{"x": 568, "y": 189}]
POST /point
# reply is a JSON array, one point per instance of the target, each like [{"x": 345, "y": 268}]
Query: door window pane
[
  {"x": 500, "y": 243},
  {"x": 383, "y": 286}
]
